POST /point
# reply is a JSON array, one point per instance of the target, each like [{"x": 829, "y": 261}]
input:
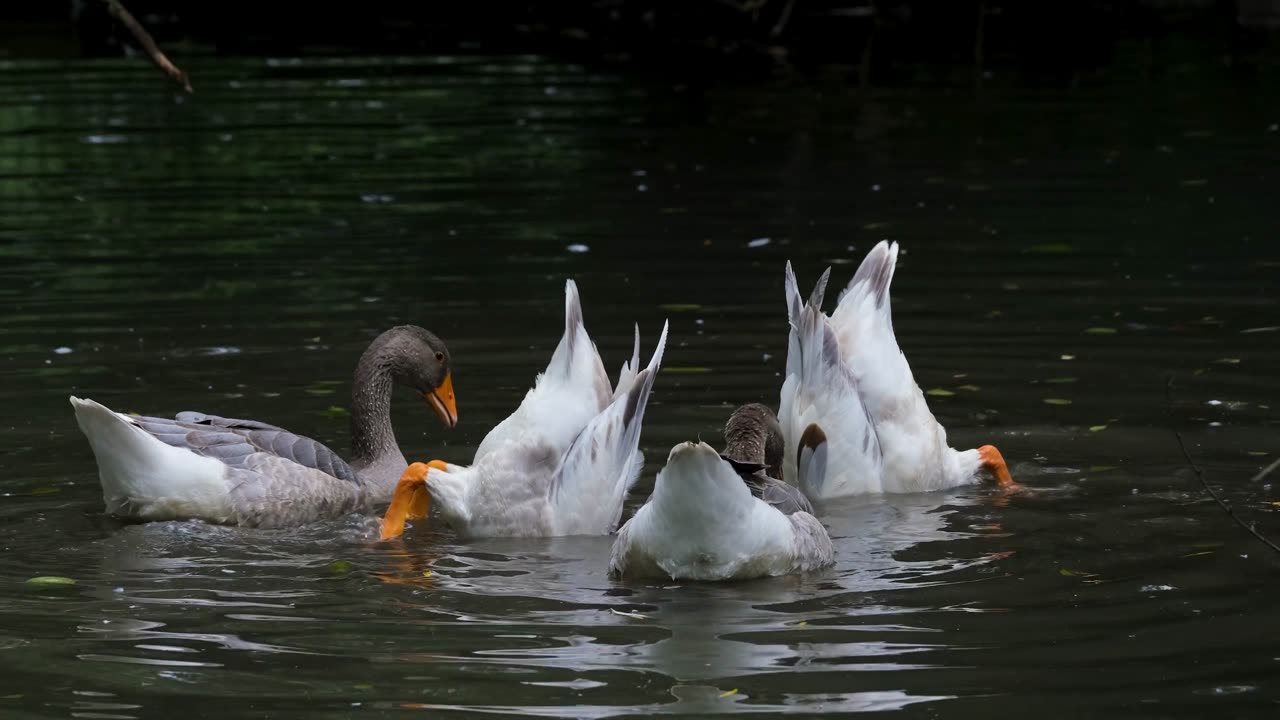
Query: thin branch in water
[
  {"x": 1168, "y": 400},
  {"x": 1218, "y": 497},
  {"x": 148, "y": 44}
]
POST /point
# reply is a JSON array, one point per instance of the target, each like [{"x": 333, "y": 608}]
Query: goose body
[
  {"x": 703, "y": 523},
  {"x": 249, "y": 473},
  {"x": 563, "y": 462},
  {"x": 847, "y": 379},
  {"x": 724, "y": 516}
]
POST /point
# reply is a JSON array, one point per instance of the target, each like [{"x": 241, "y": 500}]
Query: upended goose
[
  {"x": 561, "y": 464},
  {"x": 244, "y": 472},
  {"x": 847, "y": 378},
  {"x": 725, "y": 516}
]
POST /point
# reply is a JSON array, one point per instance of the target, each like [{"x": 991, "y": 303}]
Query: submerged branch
[
  {"x": 1168, "y": 390},
  {"x": 148, "y": 44}
]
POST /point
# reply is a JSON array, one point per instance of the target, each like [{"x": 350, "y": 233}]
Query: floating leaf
[
  {"x": 1060, "y": 380},
  {"x": 1075, "y": 573},
  {"x": 940, "y": 392},
  {"x": 802, "y": 623},
  {"x": 336, "y": 411},
  {"x": 426, "y": 573},
  {"x": 1067, "y": 357},
  {"x": 362, "y": 686},
  {"x": 45, "y": 490},
  {"x": 679, "y": 307},
  {"x": 727, "y": 693},
  {"x": 686, "y": 370},
  {"x": 1198, "y": 554},
  {"x": 49, "y": 581},
  {"x": 1056, "y": 401},
  {"x": 319, "y": 391},
  {"x": 1097, "y": 428},
  {"x": 341, "y": 567},
  {"x": 1100, "y": 331},
  {"x": 970, "y": 388}
]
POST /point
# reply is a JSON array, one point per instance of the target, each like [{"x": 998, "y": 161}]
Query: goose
[
  {"x": 725, "y": 516},
  {"x": 561, "y": 464},
  {"x": 847, "y": 380},
  {"x": 247, "y": 473}
]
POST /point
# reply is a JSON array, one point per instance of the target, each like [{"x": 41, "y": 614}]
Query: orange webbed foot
[
  {"x": 411, "y": 499},
  {"x": 993, "y": 462}
]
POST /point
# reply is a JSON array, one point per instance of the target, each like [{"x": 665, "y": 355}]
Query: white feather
[
  {"x": 846, "y": 373},
  {"x": 703, "y": 523},
  {"x": 143, "y": 477}
]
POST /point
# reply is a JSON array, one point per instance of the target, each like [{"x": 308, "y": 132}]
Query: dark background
[{"x": 1050, "y": 43}]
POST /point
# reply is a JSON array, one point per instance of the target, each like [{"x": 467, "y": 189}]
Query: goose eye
[{"x": 439, "y": 357}]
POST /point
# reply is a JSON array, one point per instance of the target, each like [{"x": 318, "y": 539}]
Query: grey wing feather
[
  {"x": 787, "y": 498},
  {"x": 234, "y": 442}
]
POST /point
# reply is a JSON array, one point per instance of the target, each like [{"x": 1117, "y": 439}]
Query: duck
[
  {"x": 728, "y": 515},
  {"x": 847, "y": 381},
  {"x": 248, "y": 473},
  {"x": 561, "y": 464}
]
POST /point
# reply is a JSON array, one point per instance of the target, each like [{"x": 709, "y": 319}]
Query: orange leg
[{"x": 993, "y": 462}]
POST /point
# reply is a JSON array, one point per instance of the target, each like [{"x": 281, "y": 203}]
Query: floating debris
[
  {"x": 940, "y": 392},
  {"x": 629, "y": 613},
  {"x": 728, "y": 693},
  {"x": 1100, "y": 331},
  {"x": 341, "y": 567},
  {"x": 1056, "y": 401},
  {"x": 49, "y": 581},
  {"x": 1066, "y": 357},
  {"x": 970, "y": 388},
  {"x": 1228, "y": 361},
  {"x": 1097, "y": 428}
]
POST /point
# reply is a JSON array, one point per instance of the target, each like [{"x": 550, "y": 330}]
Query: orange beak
[
  {"x": 993, "y": 462},
  {"x": 441, "y": 400}
]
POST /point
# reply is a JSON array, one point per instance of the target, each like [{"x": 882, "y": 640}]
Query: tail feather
[
  {"x": 143, "y": 476},
  {"x": 627, "y": 376},
  {"x": 604, "y": 461}
]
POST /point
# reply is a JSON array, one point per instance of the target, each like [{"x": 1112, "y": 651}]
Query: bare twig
[
  {"x": 1266, "y": 471},
  {"x": 148, "y": 44},
  {"x": 1168, "y": 394}
]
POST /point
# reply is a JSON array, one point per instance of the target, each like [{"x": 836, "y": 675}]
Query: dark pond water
[{"x": 233, "y": 252}]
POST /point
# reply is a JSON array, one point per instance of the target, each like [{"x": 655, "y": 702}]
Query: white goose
[
  {"x": 561, "y": 464},
  {"x": 847, "y": 378},
  {"x": 721, "y": 516}
]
